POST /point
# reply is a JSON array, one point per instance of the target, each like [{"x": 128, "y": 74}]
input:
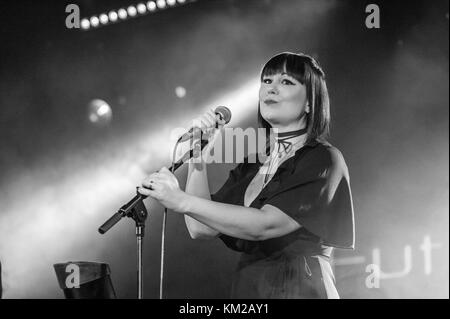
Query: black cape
[{"x": 313, "y": 188}]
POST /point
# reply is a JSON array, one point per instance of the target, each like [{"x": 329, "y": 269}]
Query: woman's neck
[{"x": 288, "y": 128}]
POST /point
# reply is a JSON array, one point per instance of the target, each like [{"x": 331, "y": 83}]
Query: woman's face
[{"x": 282, "y": 101}]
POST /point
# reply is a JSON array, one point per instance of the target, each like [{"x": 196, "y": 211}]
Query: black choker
[
  {"x": 290, "y": 134},
  {"x": 282, "y": 138}
]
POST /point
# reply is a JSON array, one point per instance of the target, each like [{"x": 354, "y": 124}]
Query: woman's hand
[
  {"x": 163, "y": 186},
  {"x": 207, "y": 123}
]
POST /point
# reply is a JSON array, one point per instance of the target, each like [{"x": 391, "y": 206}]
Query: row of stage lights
[{"x": 130, "y": 12}]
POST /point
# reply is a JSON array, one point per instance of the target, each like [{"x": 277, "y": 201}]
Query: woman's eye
[
  {"x": 288, "y": 82},
  {"x": 267, "y": 81}
]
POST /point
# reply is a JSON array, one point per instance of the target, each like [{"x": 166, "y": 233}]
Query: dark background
[{"x": 62, "y": 175}]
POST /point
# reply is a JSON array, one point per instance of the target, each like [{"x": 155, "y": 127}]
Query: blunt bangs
[{"x": 285, "y": 63}]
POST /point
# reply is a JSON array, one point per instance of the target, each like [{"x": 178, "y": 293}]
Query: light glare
[
  {"x": 132, "y": 11},
  {"x": 122, "y": 14},
  {"x": 141, "y": 8},
  {"x": 113, "y": 16},
  {"x": 161, "y": 4},
  {"x": 104, "y": 18},
  {"x": 151, "y": 5},
  {"x": 94, "y": 21},
  {"x": 85, "y": 24}
]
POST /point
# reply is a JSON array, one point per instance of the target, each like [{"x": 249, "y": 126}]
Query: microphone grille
[{"x": 224, "y": 113}]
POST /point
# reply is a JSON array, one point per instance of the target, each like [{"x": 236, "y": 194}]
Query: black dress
[{"x": 313, "y": 188}]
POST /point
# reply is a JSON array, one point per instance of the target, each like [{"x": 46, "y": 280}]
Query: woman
[{"x": 285, "y": 215}]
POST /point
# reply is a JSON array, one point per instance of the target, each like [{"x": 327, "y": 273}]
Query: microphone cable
[{"x": 163, "y": 230}]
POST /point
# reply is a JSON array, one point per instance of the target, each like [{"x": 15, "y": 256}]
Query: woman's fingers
[
  {"x": 146, "y": 191},
  {"x": 163, "y": 186},
  {"x": 221, "y": 121},
  {"x": 211, "y": 117},
  {"x": 208, "y": 120},
  {"x": 151, "y": 180},
  {"x": 147, "y": 184},
  {"x": 156, "y": 185},
  {"x": 216, "y": 119},
  {"x": 163, "y": 175}
]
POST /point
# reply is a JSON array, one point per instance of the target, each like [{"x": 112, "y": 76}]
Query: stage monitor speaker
[{"x": 85, "y": 280}]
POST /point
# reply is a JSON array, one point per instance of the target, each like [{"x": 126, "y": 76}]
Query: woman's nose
[{"x": 273, "y": 90}]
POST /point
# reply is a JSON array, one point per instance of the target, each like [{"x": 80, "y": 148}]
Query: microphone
[{"x": 224, "y": 114}]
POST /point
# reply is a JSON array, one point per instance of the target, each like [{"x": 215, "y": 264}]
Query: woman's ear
[{"x": 307, "y": 108}]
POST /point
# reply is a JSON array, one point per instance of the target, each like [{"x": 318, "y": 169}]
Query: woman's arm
[
  {"x": 197, "y": 185},
  {"x": 233, "y": 220},
  {"x": 197, "y": 180},
  {"x": 207, "y": 219},
  {"x": 239, "y": 221}
]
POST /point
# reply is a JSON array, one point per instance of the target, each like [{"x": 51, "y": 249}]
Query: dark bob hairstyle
[{"x": 307, "y": 71}]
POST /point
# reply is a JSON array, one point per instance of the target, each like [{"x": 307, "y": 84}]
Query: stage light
[
  {"x": 94, "y": 21},
  {"x": 180, "y": 92},
  {"x": 99, "y": 112},
  {"x": 161, "y": 4},
  {"x": 122, "y": 13},
  {"x": 151, "y": 6},
  {"x": 85, "y": 24},
  {"x": 113, "y": 16},
  {"x": 141, "y": 8},
  {"x": 132, "y": 11},
  {"x": 104, "y": 18}
]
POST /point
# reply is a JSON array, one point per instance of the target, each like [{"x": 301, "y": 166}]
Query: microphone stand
[{"x": 136, "y": 210}]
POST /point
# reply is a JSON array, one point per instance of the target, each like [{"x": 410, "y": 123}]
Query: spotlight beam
[{"x": 84, "y": 199}]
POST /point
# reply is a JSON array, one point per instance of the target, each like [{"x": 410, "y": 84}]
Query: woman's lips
[{"x": 269, "y": 101}]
